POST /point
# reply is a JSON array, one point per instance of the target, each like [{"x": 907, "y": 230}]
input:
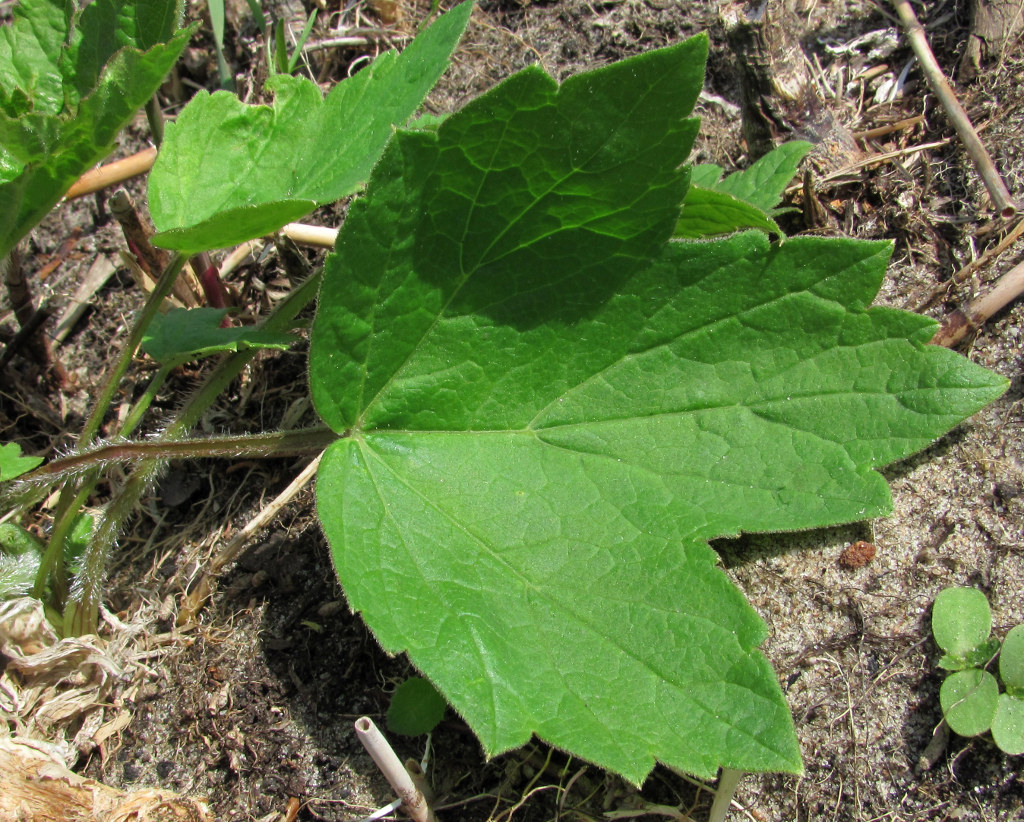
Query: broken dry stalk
[
  {"x": 152, "y": 260},
  {"x": 997, "y": 190},
  {"x": 112, "y": 173},
  {"x": 968, "y": 270},
  {"x": 962, "y": 321},
  {"x": 413, "y": 800}
]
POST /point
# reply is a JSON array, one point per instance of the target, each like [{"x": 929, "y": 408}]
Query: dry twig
[
  {"x": 957, "y": 115},
  {"x": 968, "y": 270},
  {"x": 962, "y": 321}
]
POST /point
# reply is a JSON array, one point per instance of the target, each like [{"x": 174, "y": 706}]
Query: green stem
[
  {"x": 73, "y": 497},
  {"x": 51, "y": 566},
  {"x": 106, "y": 395},
  {"x": 249, "y": 446},
  {"x": 156, "y": 120},
  {"x": 81, "y": 613},
  {"x": 134, "y": 417},
  {"x": 727, "y": 783}
]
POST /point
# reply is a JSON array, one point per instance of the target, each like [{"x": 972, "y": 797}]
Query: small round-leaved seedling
[
  {"x": 961, "y": 624},
  {"x": 969, "y": 701},
  {"x": 416, "y": 708},
  {"x": 1011, "y": 662},
  {"x": 1008, "y": 723}
]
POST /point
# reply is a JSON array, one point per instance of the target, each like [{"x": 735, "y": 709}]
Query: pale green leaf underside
[
  {"x": 550, "y": 410},
  {"x": 224, "y": 156},
  {"x": 708, "y": 213}
]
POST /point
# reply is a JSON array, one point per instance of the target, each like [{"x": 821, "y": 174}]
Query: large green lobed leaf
[
  {"x": 548, "y": 410},
  {"x": 228, "y": 172},
  {"x": 67, "y": 88}
]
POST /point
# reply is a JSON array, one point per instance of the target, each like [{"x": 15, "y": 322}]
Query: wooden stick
[
  {"x": 112, "y": 174},
  {"x": 413, "y": 801},
  {"x": 957, "y": 115},
  {"x": 311, "y": 234},
  {"x": 968, "y": 270},
  {"x": 881, "y": 131},
  {"x": 1007, "y": 288}
]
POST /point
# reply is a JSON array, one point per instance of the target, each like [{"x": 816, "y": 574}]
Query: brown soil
[{"x": 253, "y": 705}]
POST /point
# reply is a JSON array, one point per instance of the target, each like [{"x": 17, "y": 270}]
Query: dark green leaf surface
[
  {"x": 222, "y": 156},
  {"x": 185, "y": 334},
  {"x": 416, "y": 708},
  {"x": 47, "y": 146},
  {"x": 549, "y": 410}
]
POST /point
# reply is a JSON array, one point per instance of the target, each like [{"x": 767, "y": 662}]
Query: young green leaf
[
  {"x": 224, "y": 161},
  {"x": 13, "y": 464},
  {"x": 30, "y": 78},
  {"x": 961, "y": 624},
  {"x": 185, "y": 334},
  {"x": 710, "y": 213},
  {"x": 416, "y": 707},
  {"x": 1008, "y": 723},
  {"x": 20, "y": 553},
  {"x": 969, "y": 699},
  {"x": 763, "y": 184},
  {"x": 744, "y": 199},
  {"x": 548, "y": 410},
  {"x": 60, "y": 111}
]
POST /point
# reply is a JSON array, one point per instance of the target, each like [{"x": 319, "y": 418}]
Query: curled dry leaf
[{"x": 35, "y": 784}]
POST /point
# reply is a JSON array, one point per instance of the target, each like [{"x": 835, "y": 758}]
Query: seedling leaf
[
  {"x": 13, "y": 464},
  {"x": 961, "y": 622},
  {"x": 222, "y": 156},
  {"x": 1011, "y": 661},
  {"x": 547, "y": 410},
  {"x": 185, "y": 334},
  {"x": 968, "y": 700},
  {"x": 15, "y": 541},
  {"x": 416, "y": 708},
  {"x": 1008, "y": 724}
]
